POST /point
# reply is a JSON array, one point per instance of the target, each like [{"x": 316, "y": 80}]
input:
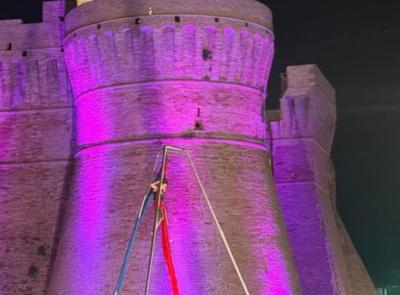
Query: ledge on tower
[
  {"x": 307, "y": 107},
  {"x": 53, "y": 11},
  {"x": 302, "y": 79},
  {"x": 92, "y": 12}
]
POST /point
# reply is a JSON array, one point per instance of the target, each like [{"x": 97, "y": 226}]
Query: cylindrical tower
[{"x": 192, "y": 74}]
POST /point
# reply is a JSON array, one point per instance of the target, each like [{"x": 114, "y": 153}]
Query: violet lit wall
[
  {"x": 192, "y": 74},
  {"x": 304, "y": 175},
  {"x": 36, "y": 138}
]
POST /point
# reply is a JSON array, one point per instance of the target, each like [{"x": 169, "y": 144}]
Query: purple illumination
[
  {"x": 197, "y": 85},
  {"x": 150, "y": 73}
]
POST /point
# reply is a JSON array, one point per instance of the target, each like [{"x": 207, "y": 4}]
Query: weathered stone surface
[
  {"x": 302, "y": 135},
  {"x": 35, "y": 147},
  {"x": 194, "y": 82},
  {"x": 147, "y": 74}
]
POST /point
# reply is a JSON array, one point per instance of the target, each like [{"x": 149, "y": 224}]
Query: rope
[
  {"x": 132, "y": 238},
  {"x": 167, "y": 251},
  {"x": 144, "y": 205},
  {"x": 153, "y": 240},
  {"x": 221, "y": 232}
]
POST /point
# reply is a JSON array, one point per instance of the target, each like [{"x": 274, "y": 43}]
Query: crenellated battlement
[
  {"x": 148, "y": 74},
  {"x": 18, "y": 36},
  {"x": 93, "y": 12},
  {"x": 37, "y": 80},
  {"x": 154, "y": 48},
  {"x": 308, "y": 107},
  {"x": 32, "y": 70},
  {"x": 305, "y": 78},
  {"x": 302, "y": 135}
]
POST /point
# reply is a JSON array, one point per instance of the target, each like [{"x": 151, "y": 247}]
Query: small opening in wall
[
  {"x": 198, "y": 125},
  {"x": 216, "y": 20},
  {"x": 9, "y": 46},
  {"x": 206, "y": 54},
  {"x": 99, "y": 26},
  {"x": 137, "y": 21},
  {"x": 177, "y": 19},
  {"x": 62, "y": 50},
  {"x": 24, "y": 53},
  {"x": 61, "y": 18},
  {"x": 198, "y": 112},
  {"x": 32, "y": 271},
  {"x": 246, "y": 24}
]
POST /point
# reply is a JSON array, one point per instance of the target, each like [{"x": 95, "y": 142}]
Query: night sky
[{"x": 357, "y": 46}]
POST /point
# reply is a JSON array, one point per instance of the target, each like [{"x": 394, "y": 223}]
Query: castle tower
[
  {"x": 191, "y": 74},
  {"x": 304, "y": 176}
]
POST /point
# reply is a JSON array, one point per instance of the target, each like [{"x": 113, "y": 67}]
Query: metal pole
[
  {"x": 132, "y": 238},
  {"x": 214, "y": 216},
  {"x": 153, "y": 240},
  {"x": 175, "y": 149},
  {"x": 128, "y": 251}
]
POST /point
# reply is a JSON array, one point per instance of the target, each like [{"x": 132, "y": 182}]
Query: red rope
[{"x": 167, "y": 251}]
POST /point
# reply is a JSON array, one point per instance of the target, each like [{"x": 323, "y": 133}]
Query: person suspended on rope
[
  {"x": 155, "y": 186},
  {"x": 161, "y": 222}
]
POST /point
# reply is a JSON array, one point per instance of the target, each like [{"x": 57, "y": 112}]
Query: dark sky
[{"x": 357, "y": 45}]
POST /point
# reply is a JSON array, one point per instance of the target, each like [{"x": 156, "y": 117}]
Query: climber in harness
[
  {"x": 152, "y": 197},
  {"x": 155, "y": 186}
]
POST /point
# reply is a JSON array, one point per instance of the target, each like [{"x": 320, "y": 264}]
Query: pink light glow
[{"x": 200, "y": 86}]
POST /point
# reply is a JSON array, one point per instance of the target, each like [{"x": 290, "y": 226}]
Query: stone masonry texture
[
  {"x": 36, "y": 132},
  {"x": 304, "y": 176},
  {"x": 88, "y": 101}
]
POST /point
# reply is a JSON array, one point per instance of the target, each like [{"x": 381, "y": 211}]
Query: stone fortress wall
[
  {"x": 187, "y": 76},
  {"x": 35, "y": 128},
  {"x": 302, "y": 136},
  {"x": 145, "y": 74}
]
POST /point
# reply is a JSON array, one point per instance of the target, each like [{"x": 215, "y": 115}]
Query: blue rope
[{"x": 124, "y": 266}]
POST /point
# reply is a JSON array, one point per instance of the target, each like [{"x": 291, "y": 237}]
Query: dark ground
[{"x": 357, "y": 45}]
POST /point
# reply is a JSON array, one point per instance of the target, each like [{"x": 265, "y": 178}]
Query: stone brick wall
[
  {"x": 193, "y": 80},
  {"x": 35, "y": 128},
  {"x": 361, "y": 281},
  {"x": 147, "y": 74},
  {"x": 302, "y": 137},
  {"x": 132, "y": 50},
  {"x": 92, "y": 12}
]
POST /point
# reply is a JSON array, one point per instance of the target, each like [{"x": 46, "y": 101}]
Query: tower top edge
[
  {"x": 18, "y": 35},
  {"x": 52, "y": 11},
  {"x": 100, "y": 10},
  {"x": 300, "y": 79}
]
